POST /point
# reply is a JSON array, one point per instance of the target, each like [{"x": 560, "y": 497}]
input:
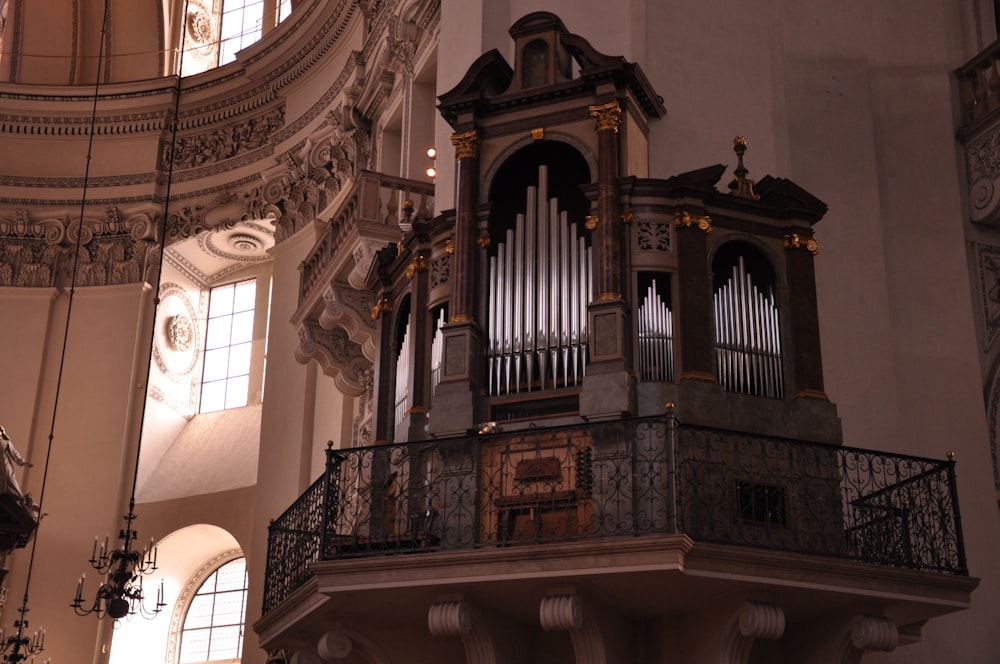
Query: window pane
[
  {"x": 200, "y": 612},
  {"x": 236, "y": 392},
  {"x": 229, "y": 608},
  {"x": 232, "y": 576},
  {"x": 225, "y": 642},
  {"x": 244, "y": 296},
  {"x": 220, "y": 302},
  {"x": 239, "y": 360},
  {"x": 242, "y": 329},
  {"x": 194, "y": 645},
  {"x": 213, "y": 396},
  {"x": 219, "y": 332},
  {"x": 216, "y": 364}
]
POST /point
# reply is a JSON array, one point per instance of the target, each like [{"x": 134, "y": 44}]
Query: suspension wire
[{"x": 69, "y": 310}]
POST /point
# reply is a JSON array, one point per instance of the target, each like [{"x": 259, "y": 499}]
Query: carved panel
[
  {"x": 982, "y": 157},
  {"x": 652, "y": 236},
  {"x": 222, "y": 143},
  {"x": 988, "y": 264},
  {"x": 339, "y": 357}
]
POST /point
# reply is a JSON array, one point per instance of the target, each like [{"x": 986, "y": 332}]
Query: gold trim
[
  {"x": 609, "y": 116},
  {"x": 687, "y": 220},
  {"x": 538, "y": 133},
  {"x": 415, "y": 410},
  {"x": 419, "y": 264},
  {"x": 811, "y": 394},
  {"x": 449, "y": 247},
  {"x": 796, "y": 241},
  {"x": 698, "y": 375},
  {"x": 609, "y": 297},
  {"x": 483, "y": 241},
  {"x": 591, "y": 223},
  {"x": 466, "y": 145},
  {"x": 627, "y": 216},
  {"x": 382, "y": 306},
  {"x": 461, "y": 318}
]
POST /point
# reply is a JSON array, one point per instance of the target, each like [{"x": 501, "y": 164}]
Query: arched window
[
  {"x": 218, "y": 29},
  {"x": 213, "y": 624},
  {"x": 747, "y": 325}
]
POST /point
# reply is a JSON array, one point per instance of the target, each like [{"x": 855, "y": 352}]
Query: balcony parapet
[
  {"x": 375, "y": 212},
  {"x": 628, "y": 478}
]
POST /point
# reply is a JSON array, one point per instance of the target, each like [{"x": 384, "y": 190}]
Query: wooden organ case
[{"x": 567, "y": 286}]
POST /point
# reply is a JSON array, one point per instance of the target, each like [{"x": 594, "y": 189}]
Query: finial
[
  {"x": 950, "y": 455},
  {"x": 741, "y": 186},
  {"x": 329, "y": 444}
]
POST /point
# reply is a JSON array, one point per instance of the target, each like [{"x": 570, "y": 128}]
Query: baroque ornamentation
[
  {"x": 988, "y": 260},
  {"x": 796, "y": 241},
  {"x": 466, "y": 145},
  {"x": 608, "y": 116},
  {"x": 652, "y": 236},
  {"x": 440, "y": 270},
  {"x": 113, "y": 250},
  {"x": 982, "y": 157},
  {"x": 687, "y": 220},
  {"x": 180, "y": 332},
  {"x": 222, "y": 143},
  {"x": 339, "y": 357}
]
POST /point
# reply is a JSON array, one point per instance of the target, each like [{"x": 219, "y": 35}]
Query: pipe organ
[
  {"x": 656, "y": 337},
  {"x": 747, "y": 338},
  {"x": 540, "y": 285},
  {"x": 402, "y": 401},
  {"x": 437, "y": 349}
]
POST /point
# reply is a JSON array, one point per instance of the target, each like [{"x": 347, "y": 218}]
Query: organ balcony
[{"x": 647, "y": 514}]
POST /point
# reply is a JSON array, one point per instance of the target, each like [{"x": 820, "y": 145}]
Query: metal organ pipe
[
  {"x": 403, "y": 376},
  {"x": 656, "y": 337},
  {"x": 747, "y": 339},
  {"x": 538, "y": 296}
]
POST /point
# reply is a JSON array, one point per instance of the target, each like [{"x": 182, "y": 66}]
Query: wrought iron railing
[{"x": 618, "y": 479}]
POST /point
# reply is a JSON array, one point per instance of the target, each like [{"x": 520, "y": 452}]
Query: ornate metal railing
[{"x": 618, "y": 479}]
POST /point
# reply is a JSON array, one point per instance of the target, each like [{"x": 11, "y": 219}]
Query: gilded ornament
[
  {"x": 419, "y": 264},
  {"x": 627, "y": 217},
  {"x": 449, "y": 247},
  {"x": 483, "y": 241},
  {"x": 796, "y": 241},
  {"x": 609, "y": 297},
  {"x": 609, "y": 116},
  {"x": 538, "y": 133},
  {"x": 466, "y": 145},
  {"x": 592, "y": 220},
  {"x": 461, "y": 318},
  {"x": 687, "y": 220},
  {"x": 383, "y": 305}
]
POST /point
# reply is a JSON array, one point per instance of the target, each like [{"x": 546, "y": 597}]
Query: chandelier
[
  {"x": 122, "y": 593},
  {"x": 18, "y": 647}
]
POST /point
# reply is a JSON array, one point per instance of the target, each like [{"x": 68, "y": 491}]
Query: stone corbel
[
  {"x": 340, "y": 643},
  {"x": 338, "y": 356},
  {"x": 752, "y": 621},
  {"x": 458, "y": 618},
  {"x": 864, "y": 634},
  {"x": 350, "y": 309},
  {"x": 597, "y": 639}
]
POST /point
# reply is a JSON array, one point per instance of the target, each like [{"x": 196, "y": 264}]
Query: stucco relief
[
  {"x": 116, "y": 249},
  {"x": 988, "y": 263},
  {"x": 340, "y": 358},
  {"x": 223, "y": 211},
  {"x": 222, "y": 143},
  {"x": 176, "y": 343},
  {"x": 982, "y": 157},
  {"x": 314, "y": 175}
]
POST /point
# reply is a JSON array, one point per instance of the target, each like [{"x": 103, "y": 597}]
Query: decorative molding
[
  {"x": 569, "y": 613},
  {"x": 113, "y": 250},
  {"x": 340, "y": 358},
  {"x": 796, "y": 241},
  {"x": 341, "y": 643},
  {"x": 466, "y": 145},
  {"x": 349, "y": 308},
  {"x": 184, "y": 600},
  {"x": 865, "y": 634},
  {"x": 687, "y": 220},
  {"x": 222, "y": 143},
  {"x": 988, "y": 267},
  {"x": 460, "y": 619},
  {"x": 752, "y": 621},
  {"x": 653, "y": 236},
  {"x": 608, "y": 116},
  {"x": 982, "y": 161},
  {"x": 440, "y": 270}
]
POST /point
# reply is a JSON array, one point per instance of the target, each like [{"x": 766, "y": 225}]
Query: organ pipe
[
  {"x": 540, "y": 286},
  {"x": 656, "y": 337},
  {"x": 747, "y": 339}
]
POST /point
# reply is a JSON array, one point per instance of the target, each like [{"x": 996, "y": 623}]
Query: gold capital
[
  {"x": 383, "y": 305},
  {"x": 449, "y": 247},
  {"x": 466, "y": 145},
  {"x": 687, "y": 220},
  {"x": 609, "y": 116},
  {"x": 591, "y": 222},
  {"x": 419, "y": 264}
]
